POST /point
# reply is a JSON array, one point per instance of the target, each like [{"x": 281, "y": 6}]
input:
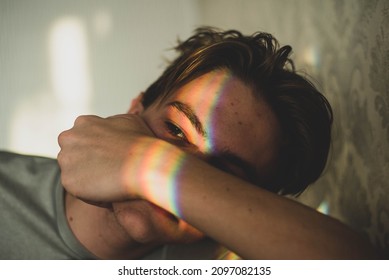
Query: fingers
[
  {"x": 81, "y": 121},
  {"x": 125, "y": 116},
  {"x": 94, "y": 151},
  {"x": 133, "y": 121}
]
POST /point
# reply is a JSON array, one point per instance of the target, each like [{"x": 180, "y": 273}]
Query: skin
[{"x": 131, "y": 161}]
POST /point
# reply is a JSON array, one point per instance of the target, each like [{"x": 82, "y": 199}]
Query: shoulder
[{"x": 15, "y": 165}]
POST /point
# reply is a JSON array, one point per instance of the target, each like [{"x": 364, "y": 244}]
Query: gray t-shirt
[{"x": 33, "y": 221}]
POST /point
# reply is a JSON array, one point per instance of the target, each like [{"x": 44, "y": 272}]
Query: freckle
[
  {"x": 71, "y": 219},
  {"x": 227, "y": 189},
  {"x": 232, "y": 103},
  {"x": 250, "y": 210},
  {"x": 235, "y": 113},
  {"x": 240, "y": 123}
]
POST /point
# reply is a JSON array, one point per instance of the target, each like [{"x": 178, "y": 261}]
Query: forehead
[{"x": 232, "y": 117}]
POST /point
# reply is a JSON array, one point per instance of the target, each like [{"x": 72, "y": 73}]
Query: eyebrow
[{"x": 190, "y": 114}]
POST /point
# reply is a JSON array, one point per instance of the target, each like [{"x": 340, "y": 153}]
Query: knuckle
[
  {"x": 60, "y": 157},
  {"x": 62, "y": 138},
  {"x": 81, "y": 120},
  {"x": 62, "y": 160},
  {"x": 65, "y": 182},
  {"x": 85, "y": 119},
  {"x": 66, "y": 138}
]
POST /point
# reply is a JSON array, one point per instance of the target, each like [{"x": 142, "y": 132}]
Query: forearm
[
  {"x": 114, "y": 159},
  {"x": 249, "y": 220}
]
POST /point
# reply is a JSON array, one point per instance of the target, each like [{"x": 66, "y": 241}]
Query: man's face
[{"x": 217, "y": 118}]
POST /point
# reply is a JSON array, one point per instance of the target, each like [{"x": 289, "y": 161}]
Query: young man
[
  {"x": 205, "y": 151},
  {"x": 226, "y": 106}
]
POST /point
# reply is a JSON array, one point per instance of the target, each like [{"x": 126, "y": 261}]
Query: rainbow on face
[
  {"x": 205, "y": 98},
  {"x": 160, "y": 168}
]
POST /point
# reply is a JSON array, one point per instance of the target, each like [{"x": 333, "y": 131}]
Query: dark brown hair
[{"x": 303, "y": 112}]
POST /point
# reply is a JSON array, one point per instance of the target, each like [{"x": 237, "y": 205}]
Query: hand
[{"x": 94, "y": 152}]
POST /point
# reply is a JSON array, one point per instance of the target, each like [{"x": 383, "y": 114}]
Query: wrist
[{"x": 151, "y": 172}]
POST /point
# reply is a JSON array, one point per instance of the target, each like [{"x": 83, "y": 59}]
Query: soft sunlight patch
[
  {"x": 69, "y": 61},
  {"x": 44, "y": 113},
  {"x": 311, "y": 56}
]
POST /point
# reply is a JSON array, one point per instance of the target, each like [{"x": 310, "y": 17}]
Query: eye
[
  {"x": 175, "y": 131},
  {"x": 239, "y": 170},
  {"x": 219, "y": 164}
]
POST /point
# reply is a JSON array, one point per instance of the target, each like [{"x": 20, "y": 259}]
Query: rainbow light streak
[
  {"x": 212, "y": 92},
  {"x": 324, "y": 207},
  {"x": 225, "y": 254},
  {"x": 161, "y": 189}
]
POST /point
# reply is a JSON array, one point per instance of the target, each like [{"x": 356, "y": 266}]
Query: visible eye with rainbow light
[{"x": 176, "y": 131}]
